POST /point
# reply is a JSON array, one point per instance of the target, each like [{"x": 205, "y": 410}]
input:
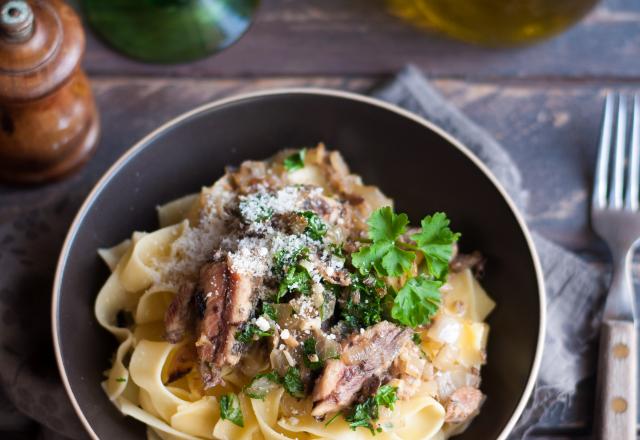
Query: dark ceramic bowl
[{"x": 423, "y": 168}]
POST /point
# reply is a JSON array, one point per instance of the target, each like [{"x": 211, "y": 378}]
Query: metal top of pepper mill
[
  {"x": 41, "y": 43},
  {"x": 16, "y": 21}
]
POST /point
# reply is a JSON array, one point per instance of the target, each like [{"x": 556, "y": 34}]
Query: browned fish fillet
[
  {"x": 224, "y": 301},
  {"x": 463, "y": 403},
  {"x": 179, "y": 316},
  {"x": 365, "y": 358}
]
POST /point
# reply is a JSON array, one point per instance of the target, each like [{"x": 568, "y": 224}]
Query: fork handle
[{"x": 617, "y": 375}]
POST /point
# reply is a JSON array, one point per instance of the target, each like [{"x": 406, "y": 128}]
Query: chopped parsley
[
  {"x": 121, "y": 379},
  {"x": 250, "y": 332},
  {"x": 419, "y": 298},
  {"x": 294, "y": 277},
  {"x": 416, "y": 338},
  {"x": 363, "y": 415},
  {"x": 316, "y": 229},
  {"x": 364, "y": 305},
  {"x": 335, "y": 416},
  {"x": 292, "y": 383},
  {"x": 366, "y": 413},
  {"x": 309, "y": 351},
  {"x": 230, "y": 409},
  {"x": 337, "y": 250},
  {"x": 387, "y": 396},
  {"x": 261, "y": 385},
  {"x": 295, "y": 161},
  {"x": 269, "y": 311},
  {"x": 285, "y": 258},
  {"x": 297, "y": 279}
]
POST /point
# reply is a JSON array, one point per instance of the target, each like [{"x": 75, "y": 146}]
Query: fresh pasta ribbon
[
  {"x": 142, "y": 265},
  {"x": 177, "y": 210},
  {"x": 267, "y": 414},
  {"x": 421, "y": 418},
  {"x": 468, "y": 296},
  {"x": 153, "y": 304},
  {"x": 197, "y": 418},
  {"x": 161, "y": 428},
  {"x": 111, "y": 300},
  {"x": 146, "y": 365},
  {"x": 112, "y": 256}
]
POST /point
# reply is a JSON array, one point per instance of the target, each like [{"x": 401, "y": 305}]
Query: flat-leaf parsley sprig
[
  {"x": 419, "y": 298},
  {"x": 435, "y": 241},
  {"x": 386, "y": 254}
]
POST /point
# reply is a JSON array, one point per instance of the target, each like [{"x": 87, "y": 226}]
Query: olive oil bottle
[{"x": 493, "y": 22}]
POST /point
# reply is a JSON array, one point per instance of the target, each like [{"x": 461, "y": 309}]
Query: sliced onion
[
  {"x": 457, "y": 377},
  {"x": 327, "y": 349},
  {"x": 414, "y": 366},
  {"x": 283, "y": 312},
  {"x": 260, "y": 387},
  {"x": 445, "y": 329},
  {"x": 279, "y": 361},
  {"x": 255, "y": 361},
  {"x": 328, "y": 305},
  {"x": 446, "y": 359}
]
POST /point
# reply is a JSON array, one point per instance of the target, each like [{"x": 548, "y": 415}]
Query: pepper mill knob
[
  {"x": 48, "y": 120},
  {"x": 16, "y": 20}
]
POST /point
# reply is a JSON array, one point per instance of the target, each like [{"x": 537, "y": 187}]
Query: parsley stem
[
  {"x": 407, "y": 246},
  {"x": 335, "y": 416}
]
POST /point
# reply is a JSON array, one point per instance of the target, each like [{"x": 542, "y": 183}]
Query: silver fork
[{"x": 616, "y": 218}]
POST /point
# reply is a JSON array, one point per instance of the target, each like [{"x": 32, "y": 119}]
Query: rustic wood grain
[
  {"x": 359, "y": 37},
  {"x": 616, "y": 391}
]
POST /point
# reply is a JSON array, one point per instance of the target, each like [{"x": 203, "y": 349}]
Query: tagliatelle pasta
[{"x": 289, "y": 301}]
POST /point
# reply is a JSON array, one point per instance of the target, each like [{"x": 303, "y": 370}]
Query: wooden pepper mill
[{"x": 48, "y": 120}]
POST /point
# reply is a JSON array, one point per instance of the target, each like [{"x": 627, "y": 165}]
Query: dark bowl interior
[{"x": 419, "y": 168}]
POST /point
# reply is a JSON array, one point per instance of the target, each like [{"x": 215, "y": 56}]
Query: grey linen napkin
[
  {"x": 574, "y": 289},
  {"x": 31, "y": 390}
]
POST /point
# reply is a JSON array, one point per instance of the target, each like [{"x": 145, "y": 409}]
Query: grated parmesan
[{"x": 263, "y": 324}]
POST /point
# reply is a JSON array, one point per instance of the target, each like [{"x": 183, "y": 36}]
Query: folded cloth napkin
[{"x": 31, "y": 390}]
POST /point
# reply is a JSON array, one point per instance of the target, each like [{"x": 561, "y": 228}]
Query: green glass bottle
[{"x": 170, "y": 31}]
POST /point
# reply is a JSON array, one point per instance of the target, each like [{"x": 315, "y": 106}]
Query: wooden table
[{"x": 542, "y": 102}]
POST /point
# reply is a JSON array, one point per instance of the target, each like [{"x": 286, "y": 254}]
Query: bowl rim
[{"x": 314, "y": 91}]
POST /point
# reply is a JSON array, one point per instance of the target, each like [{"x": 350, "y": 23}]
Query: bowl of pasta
[{"x": 298, "y": 264}]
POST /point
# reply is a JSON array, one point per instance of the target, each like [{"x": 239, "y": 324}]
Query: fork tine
[
  {"x": 631, "y": 201},
  {"x": 615, "y": 197},
  {"x": 602, "y": 168}
]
